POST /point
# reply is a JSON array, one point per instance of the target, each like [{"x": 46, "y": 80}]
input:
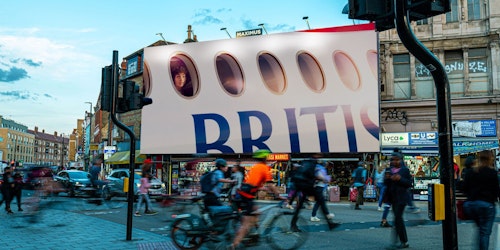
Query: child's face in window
[{"x": 180, "y": 80}]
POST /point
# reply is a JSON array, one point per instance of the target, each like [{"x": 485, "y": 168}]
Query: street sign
[
  {"x": 109, "y": 149},
  {"x": 254, "y": 32}
]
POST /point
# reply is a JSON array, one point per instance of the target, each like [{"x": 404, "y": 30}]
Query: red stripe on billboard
[{"x": 358, "y": 27}]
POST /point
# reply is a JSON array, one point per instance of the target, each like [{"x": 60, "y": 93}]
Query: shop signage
[
  {"x": 475, "y": 128},
  {"x": 423, "y": 138},
  {"x": 132, "y": 65},
  {"x": 253, "y": 32},
  {"x": 292, "y": 99},
  {"x": 278, "y": 157},
  {"x": 94, "y": 147},
  {"x": 394, "y": 139}
]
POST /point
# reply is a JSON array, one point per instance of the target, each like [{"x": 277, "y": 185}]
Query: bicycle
[
  {"x": 190, "y": 231},
  {"x": 93, "y": 197}
]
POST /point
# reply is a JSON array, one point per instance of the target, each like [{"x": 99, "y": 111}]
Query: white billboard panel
[{"x": 309, "y": 91}]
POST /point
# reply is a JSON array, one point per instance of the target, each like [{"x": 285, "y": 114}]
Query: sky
[{"x": 52, "y": 51}]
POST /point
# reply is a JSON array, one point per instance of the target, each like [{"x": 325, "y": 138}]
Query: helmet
[
  {"x": 220, "y": 162},
  {"x": 261, "y": 154}
]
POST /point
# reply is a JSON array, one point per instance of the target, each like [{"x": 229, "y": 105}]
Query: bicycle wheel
[
  {"x": 182, "y": 237},
  {"x": 112, "y": 202},
  {"x": 279, "y": 234}
]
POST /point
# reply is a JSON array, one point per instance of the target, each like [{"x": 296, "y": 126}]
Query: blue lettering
[
  {"x": 201, "y": 137},
  {"x": 293, "y": 130},
  {"x": 246, "y": 132},
  {"x": 320, "y": 122}
]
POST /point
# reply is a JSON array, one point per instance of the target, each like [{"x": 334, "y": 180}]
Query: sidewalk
[{"x": 359, "y": 230}]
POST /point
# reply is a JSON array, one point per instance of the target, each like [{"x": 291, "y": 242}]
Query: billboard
[{"x": 297, "y": 92}]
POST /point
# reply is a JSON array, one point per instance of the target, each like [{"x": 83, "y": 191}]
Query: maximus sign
[
  {"x": 254, "y": 32},
  {"x": 298, "y": 92}
]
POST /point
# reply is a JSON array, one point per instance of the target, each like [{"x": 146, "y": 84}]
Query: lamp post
[
  {"x": 306, "y": 18},
  {"x": 90, "y": 129},
  {"x": 225, "y": 29},
  {"x": 263, "y": 27}
]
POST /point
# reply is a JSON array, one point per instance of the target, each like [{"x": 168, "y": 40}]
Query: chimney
[
  {"x": 189, "y": 32},
  {"x": 55, "y": 133},
  {"x": 43, "y": 131},
  {"x": 36, "y": 129}
]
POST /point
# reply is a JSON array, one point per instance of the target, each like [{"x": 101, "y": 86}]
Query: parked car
[
  {"x": 73, "y": 181},
  {"x": 115, "y": 184}
]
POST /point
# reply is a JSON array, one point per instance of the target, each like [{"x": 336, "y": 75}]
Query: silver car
[{"x": 116, "y": 182}]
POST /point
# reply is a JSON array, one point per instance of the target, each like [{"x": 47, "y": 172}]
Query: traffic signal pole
[
  {"x": 130, "y": 194},
  {"x": 443, "y": 105}
]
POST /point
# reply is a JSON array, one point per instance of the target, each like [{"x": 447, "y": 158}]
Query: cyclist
[{"x": 256, "y": 178}]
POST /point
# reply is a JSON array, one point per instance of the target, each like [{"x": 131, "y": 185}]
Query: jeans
[
  {"x": 381, "y": 190},
  {"x": 483, "y": 213},
  {"x": 144, "y": 197},
  {"x": 320, "y": 202}
]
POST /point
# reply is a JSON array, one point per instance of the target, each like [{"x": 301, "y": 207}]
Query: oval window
[
  {"x": 347, "y": 70},
  {"x": 272, "y": 73},
  {"x": 230, "y": 74},
  {"x": 372, "y": 58},
  {"x": 184, "y": 75},
  {"x": 146, "y": 80},
  {"x": 311, "y": 71}
]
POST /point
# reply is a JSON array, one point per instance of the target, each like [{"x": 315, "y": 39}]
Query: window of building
[
  {"x": 402, "y": 81},
  {"x": 452, "y": 16},
  {"x": 423, "y": 21},
  {"x": 474, "y": 9},
  {"x": 478, "y": 72},
  {"x": 454, "y": 67},
  {"x": 424, "y": 83}
]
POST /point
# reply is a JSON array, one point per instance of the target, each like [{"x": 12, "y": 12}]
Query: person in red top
[{"x": 256, "y": 178}]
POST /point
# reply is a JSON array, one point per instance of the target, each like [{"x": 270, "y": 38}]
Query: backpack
[
  {"x": 206, "y": 182},
  {"x": 305, "y": 176},
  {"x": 358, "y": 177}
]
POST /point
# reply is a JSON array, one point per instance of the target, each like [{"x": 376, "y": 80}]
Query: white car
[{"x": 115, "y": 184}]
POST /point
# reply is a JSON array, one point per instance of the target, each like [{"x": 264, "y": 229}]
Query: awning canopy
[{"x": 123, "y": 157}]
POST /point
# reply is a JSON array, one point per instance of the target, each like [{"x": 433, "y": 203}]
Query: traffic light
[
  {"x": 130, "y": 98},
  {"x": 106, "y": 89},
  {"x": 382, "y": 11}
]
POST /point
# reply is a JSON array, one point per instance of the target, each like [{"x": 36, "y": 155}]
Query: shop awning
[{"x": 124, "y": 156}]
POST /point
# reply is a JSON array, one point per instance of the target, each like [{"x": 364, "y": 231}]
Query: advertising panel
[{"x": 308, "y": 91}]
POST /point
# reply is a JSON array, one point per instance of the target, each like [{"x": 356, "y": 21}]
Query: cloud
[
  {"x": 18, "y": 95},
  {"x": 13, "y": 74},
  {"x": 250, "y": 24},
  {"x": 205, "y": 16}
]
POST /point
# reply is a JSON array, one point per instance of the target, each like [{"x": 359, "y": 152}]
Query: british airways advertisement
[{"x": 297, "y": 92}]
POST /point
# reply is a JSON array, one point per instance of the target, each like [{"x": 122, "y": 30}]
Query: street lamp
[
  {"x": 90, "y": 127},
  {"x": 224, "y": 29},
  {"x": 306, "y": 18},
  {"x": 263, "y": 27}
]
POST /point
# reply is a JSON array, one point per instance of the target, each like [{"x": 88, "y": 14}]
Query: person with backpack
[
  {"x": 322, "y": 180},
  {"x": 212, "y": 182},
  {"x": 304, "y": 180},
  {"x": 359, "y": 179}
]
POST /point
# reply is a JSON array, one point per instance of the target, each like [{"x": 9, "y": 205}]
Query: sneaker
[
  {"x": 379, "y": 209},
  {"x": 137, "y": 214},
  {"x": 385, "y": 224},
  {"x": 315, "y": 219},
  {"x": 403, "y": 245},
  {"x": 295, "y": 229},
  {"x": 330, "y": 216},
  {"x": 20, "y": 209},
  {"x": 357, "y": 208},
  {"x": 150, "y": 212},
  {"x": 289, "y": 206}
]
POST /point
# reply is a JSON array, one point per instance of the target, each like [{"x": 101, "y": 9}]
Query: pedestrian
[
  {"x": 238, "y": 173},
  {"x": 95, "y": 172},
  {"x": 359, "y": 176},
  {"x": 470, "y": 163},
  {"x": 481, "y": 187},
  {"x": 378, "y": 176},
  {"x": 144, "y": 196},
  {"x": 398, "y": 181},
  {"x": 7, "y": 189},
  {"x": 211, "y": 198},
  {"x": 18, "y": 189},
  {"x": 321, "y": 184},
  {"x": 305, "y": 183}
]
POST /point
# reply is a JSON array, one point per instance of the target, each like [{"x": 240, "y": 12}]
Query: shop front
[{"x": 421, "y": 153}]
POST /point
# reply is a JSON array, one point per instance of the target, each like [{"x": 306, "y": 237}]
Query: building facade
[
  {"x": 50, "y": 149},
  {"x": 16, "y": 143}
]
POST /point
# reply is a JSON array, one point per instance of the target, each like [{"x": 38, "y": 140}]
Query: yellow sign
[
  {"x": 94, "y": 147},
  {"x": 278, "y": 157}
]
